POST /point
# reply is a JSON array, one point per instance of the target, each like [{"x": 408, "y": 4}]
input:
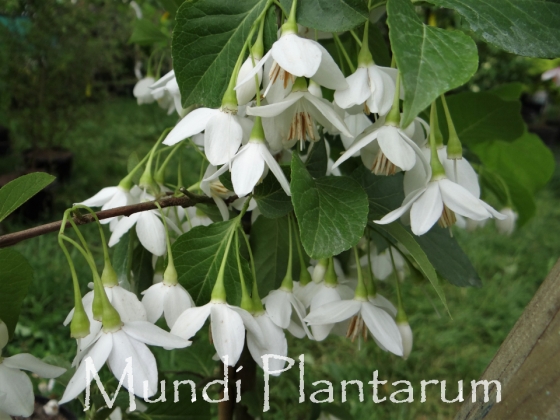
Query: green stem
[
  {"x": 304, "y": 276},
  {"x": 288, "y": 282},
  {"x": 372, "y": 289},
  {"x": 160, "y": 173},
  {"x": 361, "y": 290},
  {"x": 146, "y": 179},
  {"x": 356, "y": 38},
  {"x": 257, "y": 304},
  {"x": 170, "y": 273},
  {"x": 246, "y": 302},
  {"x": 437, "y": 168},
  {"x": 127, "y": 183},
  {"x": 394, "y": 116},
  {"x": 219, "y": 290},
  {"x": 344, "y": 53}
]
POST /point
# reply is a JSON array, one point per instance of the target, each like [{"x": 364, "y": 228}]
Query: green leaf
[
  {"x": 447, "y": 257},
  {"x": 142, "y": 269},
  {"x": 198, "y": 255},
  {"x": 482, "y": 117},
  {"x": 385, "y": 193},
  {"x": 317, "y": 161},
  {"x": 15, "y": 277},
  {"x": 522, "y": 27},
  {"x": 18, "y": 191},
  {"x": 270, "y": 246},
  {"x": 330, "y": 15},
  {"x": 271, "y": 199},
  {"x": 509, "y": 91},
  {"x": 432, "y": 60},
  {"x": 331, "y": 211},
  {"x": 409, "y": 241},
  {"x": 378, "y": 46},
  {"x": 207, "y": 40},
  {"x": 145, "y": 32}
]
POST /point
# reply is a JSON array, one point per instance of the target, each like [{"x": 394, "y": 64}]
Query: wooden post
[{"x": 527, "y": 364}]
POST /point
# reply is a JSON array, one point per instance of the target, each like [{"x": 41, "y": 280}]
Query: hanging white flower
[
  {"x": 142, "y": 91},
  {"x": 286, "y": 311},
  {"x": 111, "y": 197},
  {"x": 167, "y": 86},
  {"x": 169, "y": 300},
  {"x": 246, "y": 91},
  {"x": 273, "y": 342},
  {"x": 16, "y": 389}
]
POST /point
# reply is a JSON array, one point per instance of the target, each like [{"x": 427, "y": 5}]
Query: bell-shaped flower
[
  {"x": 223, "y": 129},
  {"x": 16, "y": 389},
  {"x": 114, "y": 346},
  {"x": 142, "y": 91},
  {"x": 111, "y": 197},
  {"x": 507, "y": 225},
  {"x": 295, "y": 117},
  {"x": 228, "y": 324},
  {"x": 293, "y": 56},
  {"x": 286, "y": 311},
  {"x": 249, "y": 164},
  {"x": 439, "y": 201},
  {"x": 273, "y": 342},
  {"x": 365, "y": 316}
]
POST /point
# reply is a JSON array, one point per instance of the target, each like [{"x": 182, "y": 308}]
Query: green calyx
[
  {"x": 300, "y": 85},
  {"x": 110, "y": 317},
  {"x": 290, "y": 27},
  {"x": 79, "y": 327},
  {"x": 365, "y": 59},
  {"x": 97, "y": 305},
  {"x": 454, "y": 146},
  {"x": 170, "y": 275},
  {"x": 288, "y": 282},
  {"x": 438, "y": 172},
  {"x": 330, "y": 276},
  {"x": 109, "y": 276},
  {"x": 394, "y": 116},
  {"x": 361, "y": 292},
  {"x": 257, "y": 133}
]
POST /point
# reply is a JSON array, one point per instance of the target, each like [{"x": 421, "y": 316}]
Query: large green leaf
[
  {"x": 207, "y": 40},
  {"x": 18, "y": 191},
  {"x": 332, "y": 211},
  {"x": 398, "y": 233},
  {"x": 330, "y": 15},
  {"x": 523, "y": 27},
  {"x": 15, "y": 277},
  {"x": 270, "y": 245},
  {"x": 385, "y": 193},
  {"x": 271, "y": 198},
  {"x": 484, "y": 116},
  {"x": 198, "y": 255},
  {"x": 432, "y": 60}
]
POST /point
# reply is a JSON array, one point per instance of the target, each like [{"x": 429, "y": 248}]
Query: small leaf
[
  {"x": 331, "y": 211},
  {"x": 431, "y": 60},
  {"x": 522, "y": 27},
  {"x": 18, "y": 191},
  {"x": 385, "y": 193},
  {"x": 15, "y": 277},
  {"x": 330, "y": 15},
  {"x": 145, "y": 32},
  {"x": 198, "y": 255},
  {"x": 271, "y": 199}
]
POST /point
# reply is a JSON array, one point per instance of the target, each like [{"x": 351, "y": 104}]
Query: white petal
[
  {"x": 162, "y": 81},
  {"x": 416, "y": 177},
  {"x": 144, "y": 366},
  {"x": 279, "y": 308},
  {"x": 357, "y": 91},
  {"x": 190, "y": 321},
  {"x": 251, "y": 74},
  {"x": 228, "y": 332},
  {"x": 194, "y": 123},
  {"x": 328, "y": 74},
  {"x": 153, "y": 335},
  {"x": 246, "y": 91},
  {"x": 324, "y": 296},
  {"x": 466, "y": 176},
  {"x": 359, "y": 143},
  {"x": 18, "y": 391},
  {"x": 276, "y": 169},
  {"x": 277, "y": 108},
  {"x": 383, "y": 90},
  {"x": 127, "y": 304},
  {"x": 250, "y": 324},
  {"x": 426, "y": 210},
  {"x": 275, "y": 341},
  {"x": 298, "y": 56},
  {"x": 101, "y": 197},
  {"x": 153, "y": 301},
  {"x": 99, "y": 354},
  {"x": 222, "y": 138},
  {"x": 407, "y": 203},
  {"x": 151, "y": 233},
  {"x": 395, "y": 148},
  {"x": 177, "y": 301},
  {"x": 333, "y": 312},
  {"x": 383, "y": 328},
  {"x": 323, "y": 112},
  {"x": 384, "y": 303},
  {"x": 298, "y": 315},
  {"x": 461, "y": 201},
  {"x": 28, "y": 362},
  {"x": 122, "y": 227},
  {"x": 406, "y": 335},
  {"x": 247, "y": 169}
]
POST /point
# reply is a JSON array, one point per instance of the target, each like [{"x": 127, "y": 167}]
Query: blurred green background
[{"x": 66, "y": 75}]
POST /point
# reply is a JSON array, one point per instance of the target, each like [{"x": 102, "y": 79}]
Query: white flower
[
  {"x": 224, "y": 132},
  {"x": 213, "y": 187},
  {"x": 356, "y": 124},
  {"x": 380, "y": 324},
  {"x": 114, "y": 347},
  {"x": 372, "y": 86},
  {"x": 247, "y": 91},
  {"x": 295, "y": 56},
  {"x": 16, "y": 390},
  {"x": 111, "y": 197},
  {"x": 273, "y": 342},
  {"x": 440, "y": 200},
  {"x": 294, "y": 118},
  {"x": 507, "y": 225},
  {"x": 166, "y": 299},
  {"x": 142, "y": 91},
  {"x": 228, "y": 325},
  {"x": 286, "y": 311},
  {"x": 167, "y": 86},
  {"x": 248, "y": 167},
  {"x": 381, "y": 263},
  {"x": 393, "y": 149},
  {"x": 407, "y": 339}
]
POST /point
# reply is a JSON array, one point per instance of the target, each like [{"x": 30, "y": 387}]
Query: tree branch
[{"x": 169, "y": 201}]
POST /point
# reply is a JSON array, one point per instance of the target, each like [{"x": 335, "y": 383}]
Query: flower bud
[
  {"x": 109, "y": 276},
  {"x": 406, "y": 335},
  {"x": 506, "y": 226},
  {"x": 79, "y": 327}
]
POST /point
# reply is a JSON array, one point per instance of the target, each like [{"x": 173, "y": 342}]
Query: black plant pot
[{"x": 56, "y": 160}]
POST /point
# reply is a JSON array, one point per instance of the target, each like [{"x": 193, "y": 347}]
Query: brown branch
[{"x": 169, "y": 201}]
